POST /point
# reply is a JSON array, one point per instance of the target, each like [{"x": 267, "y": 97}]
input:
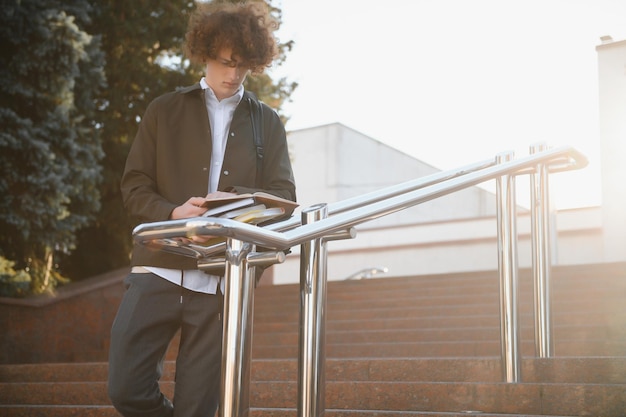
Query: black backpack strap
[{"x": 256, "y": 116}]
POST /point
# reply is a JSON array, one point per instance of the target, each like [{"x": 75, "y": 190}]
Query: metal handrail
[
  {"x": 321, "y": 223},
  {"x": 190, "y": 249},
  {"x": 347, "y": 214}
]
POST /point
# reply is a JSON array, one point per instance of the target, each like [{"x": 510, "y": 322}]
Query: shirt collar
[{"x": 237, "y": 96}]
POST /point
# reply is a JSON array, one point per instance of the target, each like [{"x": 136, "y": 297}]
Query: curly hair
[{"x": 246, "y": 28}]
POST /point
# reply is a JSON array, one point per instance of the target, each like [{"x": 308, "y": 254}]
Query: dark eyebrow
[{"x": 231, "y": 62}]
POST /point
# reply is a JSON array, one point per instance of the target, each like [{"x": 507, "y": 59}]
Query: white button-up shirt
[{"x": 220, "y": 116}]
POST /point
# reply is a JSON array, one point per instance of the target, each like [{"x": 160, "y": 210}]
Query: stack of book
[{"x": 253, "y": 208}]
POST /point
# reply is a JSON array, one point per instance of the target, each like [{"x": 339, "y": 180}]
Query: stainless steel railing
[{"x": 322, "y": 223}]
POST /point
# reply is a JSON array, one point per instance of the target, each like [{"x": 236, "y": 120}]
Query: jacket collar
[
  {"x": 197, "y": 86},
  {"x": 247, "y": 95},
  {"x": 191, "y": 88}
]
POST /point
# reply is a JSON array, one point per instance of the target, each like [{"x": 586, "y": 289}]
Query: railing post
[
  {"x": 312, "y": 332},
  {"x": 507, "y": 266},
  {"x": 541, "y": 257},
  {"x": 237, "y": 331}
]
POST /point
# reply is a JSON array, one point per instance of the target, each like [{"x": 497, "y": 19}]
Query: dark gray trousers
[{"x": 149, "y": 316}]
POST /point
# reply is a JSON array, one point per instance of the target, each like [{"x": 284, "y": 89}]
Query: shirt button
[
  {"x": 232, "y": 134},
  {"x": 226, "y": 172}
]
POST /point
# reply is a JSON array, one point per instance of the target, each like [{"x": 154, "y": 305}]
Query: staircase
[{"x": 410, "y": 346}]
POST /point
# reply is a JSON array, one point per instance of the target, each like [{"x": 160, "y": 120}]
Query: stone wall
[{"x": 73, "y": 325}]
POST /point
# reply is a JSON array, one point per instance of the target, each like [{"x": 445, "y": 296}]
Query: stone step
[
  {"x": 288, "y": 412},
  {"x": 57, "y": 393},
  {"x": 401, "y": 322},
  {"x": 579, "y": 279},
  {"x": 589, "y": 370},
  {"x": 58, "y": 411},
  {"x": 412, "y": 294},
  {"x": 460, "y": 334},
  {"x": 359, "y": 294},
  {"x": 526, "y": 398},
  {"x": 109, "y": 411},
  {"x": 443, "y": 349},
  {"x": 598, "y": 370},
  {"x": 419, "y": 288},
  {"x": 65, "y": 372},
  {"x": 387, "y": 310},
  {"x": 605, "y": 400}
]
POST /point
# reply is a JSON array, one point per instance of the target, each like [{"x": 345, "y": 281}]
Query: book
[
  {"x": 219, "y": 206},
  {"x": 260, "y": 215},
  {"x": 238, "y": 212}
]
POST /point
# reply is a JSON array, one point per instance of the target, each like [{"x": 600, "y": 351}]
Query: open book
[
  {"x": 256, "y": 214},
  {"x": 244, "y": 203}
]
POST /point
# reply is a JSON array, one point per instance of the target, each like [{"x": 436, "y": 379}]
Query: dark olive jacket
[{"x": 170, "y": 157}]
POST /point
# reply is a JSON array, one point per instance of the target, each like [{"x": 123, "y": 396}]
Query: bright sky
[{"x": 452, "y": 82}]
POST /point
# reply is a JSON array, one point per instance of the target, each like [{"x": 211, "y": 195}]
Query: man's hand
[
  {"x": 193, "y": 208},
  {"x": 190, "y": 208}
]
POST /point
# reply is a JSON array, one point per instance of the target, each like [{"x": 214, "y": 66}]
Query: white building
[
  {"x": 457, "y": 232},
  {"x": 612, "y": 93}
]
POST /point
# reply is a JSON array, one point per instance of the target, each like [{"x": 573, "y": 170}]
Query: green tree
[
  {"x": 143, "y": 43},
  {"x": 50, "y": 150},
  {"x": 136, "y": 37}
]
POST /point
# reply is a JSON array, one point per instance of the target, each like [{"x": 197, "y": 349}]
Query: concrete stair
[{"x": 410, "y": 346}]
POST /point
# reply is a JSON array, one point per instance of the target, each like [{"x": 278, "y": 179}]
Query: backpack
[{"x": 256, "y": 116}]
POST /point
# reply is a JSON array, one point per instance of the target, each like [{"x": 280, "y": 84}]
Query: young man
[{"x": 192, "y": 143}]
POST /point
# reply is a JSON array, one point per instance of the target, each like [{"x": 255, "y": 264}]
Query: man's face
[{"x": 225, "y": 74}]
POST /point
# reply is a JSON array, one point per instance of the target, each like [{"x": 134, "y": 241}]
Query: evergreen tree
[
  {"x": 51, "y": 72},
  {"x": 136, "y": 37}
]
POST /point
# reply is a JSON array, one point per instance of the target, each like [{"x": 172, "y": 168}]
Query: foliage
[
  {"x": 135, "y": 37},
  {"x": 13, "y": 283},
  {"x": 49, "y": 144}
]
